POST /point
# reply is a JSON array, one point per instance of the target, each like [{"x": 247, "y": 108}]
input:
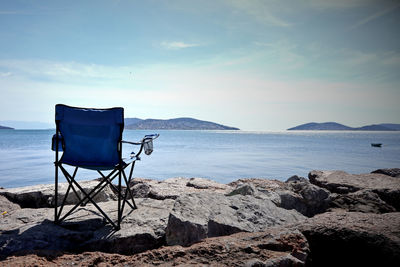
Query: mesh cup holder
[{"x": 148, "y": 146}]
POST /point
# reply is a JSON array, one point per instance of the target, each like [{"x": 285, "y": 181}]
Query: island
[
  {"x": 334, "y": 126},
  {"x": 5, "y": 128},
  {"x": 174, "y": 124}
]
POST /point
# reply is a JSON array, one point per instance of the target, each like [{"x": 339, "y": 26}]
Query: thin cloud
[
  {"x": 374, "y": 16},
  {"x": 177, "y": 45},
  {"x": 9, "y": 12},
  {"x": 5, "y": 74},
  {"x": 337, "y": 4},
  {"x": 262, "y": 11}
]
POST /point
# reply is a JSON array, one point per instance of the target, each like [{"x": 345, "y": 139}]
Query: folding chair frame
[{"x": 119, "y": 171}]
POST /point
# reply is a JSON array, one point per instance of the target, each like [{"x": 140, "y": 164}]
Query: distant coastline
[
  {"x": 174, "y": 124},
  {"x": 334, "y": 126},
  {"x": 134, "y": 124}
]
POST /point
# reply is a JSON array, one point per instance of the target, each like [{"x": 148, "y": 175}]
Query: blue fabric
[
  {"x": 54, "y": 143},
  {"x": 90, "y": 136}
]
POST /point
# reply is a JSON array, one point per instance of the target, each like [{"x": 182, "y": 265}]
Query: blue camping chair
[{"x": 92, "y": 139}]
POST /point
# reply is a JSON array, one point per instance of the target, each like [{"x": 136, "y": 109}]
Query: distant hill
[
  {"x": 130, "y": 121},
  {"x": 174, "y": 124},
  {"x": 393, "y": 126},
  {"x": 334, "y": 126},
  {"x": 374, "y": 127},
  {"x": 5, "y": 128},
  {"x": 325, "y": 126},
  {"x": 31, "y": 125}
]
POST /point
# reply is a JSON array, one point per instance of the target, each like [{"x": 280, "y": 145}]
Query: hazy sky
[{"x": 256, "y": 65}]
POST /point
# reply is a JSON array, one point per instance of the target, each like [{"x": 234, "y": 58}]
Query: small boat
[{"x": 376, "y": 144}]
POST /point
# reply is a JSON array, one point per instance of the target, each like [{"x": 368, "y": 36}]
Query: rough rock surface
[
  {"x": 174, "y": 187},
  {"x": 297, "y": 193},
  {"x": 362, "y": 201},
  {"x": 395, "y": 172},
  {"x": 353, "y": 239},
  {"x": 387, "y": 188},
  {"x": 31, "y": 229},
  {"x": 305, "y": 197},
  {"x": 42, "y": 196},
  {"x": 277, "y": 247},
  {"x": 7, "y": 206},
  {"x": 343, "y": 182},
  {"x": 184, "y": 211},
  {"x": 200, "y": 215}
]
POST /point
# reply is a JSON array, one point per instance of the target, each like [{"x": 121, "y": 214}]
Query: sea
[{"x": 26, "y": 157}]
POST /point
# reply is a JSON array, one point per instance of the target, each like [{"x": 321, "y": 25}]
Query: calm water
[{"x": 224, "y": 156}]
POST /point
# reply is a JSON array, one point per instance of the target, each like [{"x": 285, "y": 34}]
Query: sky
[{"x": 263, "y": 65}]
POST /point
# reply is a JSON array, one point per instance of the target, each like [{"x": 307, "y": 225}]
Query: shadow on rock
[{"x": 48, "y": 238}]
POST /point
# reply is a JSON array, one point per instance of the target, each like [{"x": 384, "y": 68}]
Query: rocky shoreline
[{"x": 330, "y": 219}]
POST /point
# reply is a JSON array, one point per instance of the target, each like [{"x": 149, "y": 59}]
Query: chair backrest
[{"x": 90, "y": 136}]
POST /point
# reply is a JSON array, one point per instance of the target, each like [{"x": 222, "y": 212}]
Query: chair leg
[
  {"x": 56, "y": 193},
  {"x": 86, "y": 196},
  {"x": 119, "y": 198},
  {"x": 108, "y": 182},
  {"x": 128, "y": 190},
  {"x": 70, "y": 185},
  {"x": 95, "y": 204},
  {"x": 89, "y": 197}
]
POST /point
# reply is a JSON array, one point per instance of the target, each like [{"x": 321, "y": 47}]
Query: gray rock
[
  {"x": 7, "y": 206},
  {"x": 352, "y": 239},
  {"x": 298, "y": 194},
  {"x": 174, "y": 187},
  {"x": 244, "y": 190},
  {"x": 296, "y": 178},
  {"x": 200, "y": 215},
  {"x": 260, "y": 184},
  {"x": 33, "y": 229},
  {"x": 394, "y": 172},
  {"x": 306, "y": 198},
  {"x": 42, "y": 196},
  {"x": 141, "y": 190},
  {"x": 362, "y": 201},
  {"x": 275, "y": 247},
  {"x": 390, "y": 195},
  {"x": 283, "y": 261},
  {"x": 203, "y": 183},
  {"x": 386, "y": 187},
  {"x": 141, "y": 230},
  {"x": 342, "y": 182}
]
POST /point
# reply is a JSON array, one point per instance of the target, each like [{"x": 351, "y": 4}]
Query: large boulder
[
  {"x": 200, "y": 215},
  {"x": 305, "y": 197},
  {"x": 386, "y": 187},
  {"x": 353, "y": 239},
  {"x": 275, "y": 247},
  {"x": 27, "y": 229},
  {"x": 343, "y": 182},
  {"x": 42, "y": 196},
  {"x": 296, "y": 193}
]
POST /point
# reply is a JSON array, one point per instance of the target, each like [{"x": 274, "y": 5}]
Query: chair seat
[{"x": 125, "y": 161}]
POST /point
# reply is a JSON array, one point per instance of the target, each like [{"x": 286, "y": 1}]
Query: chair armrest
[
  {"x": 146, "y": 143},
  {"x": 146, "y": 138},
  {"x": 131, "y": 143}
]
